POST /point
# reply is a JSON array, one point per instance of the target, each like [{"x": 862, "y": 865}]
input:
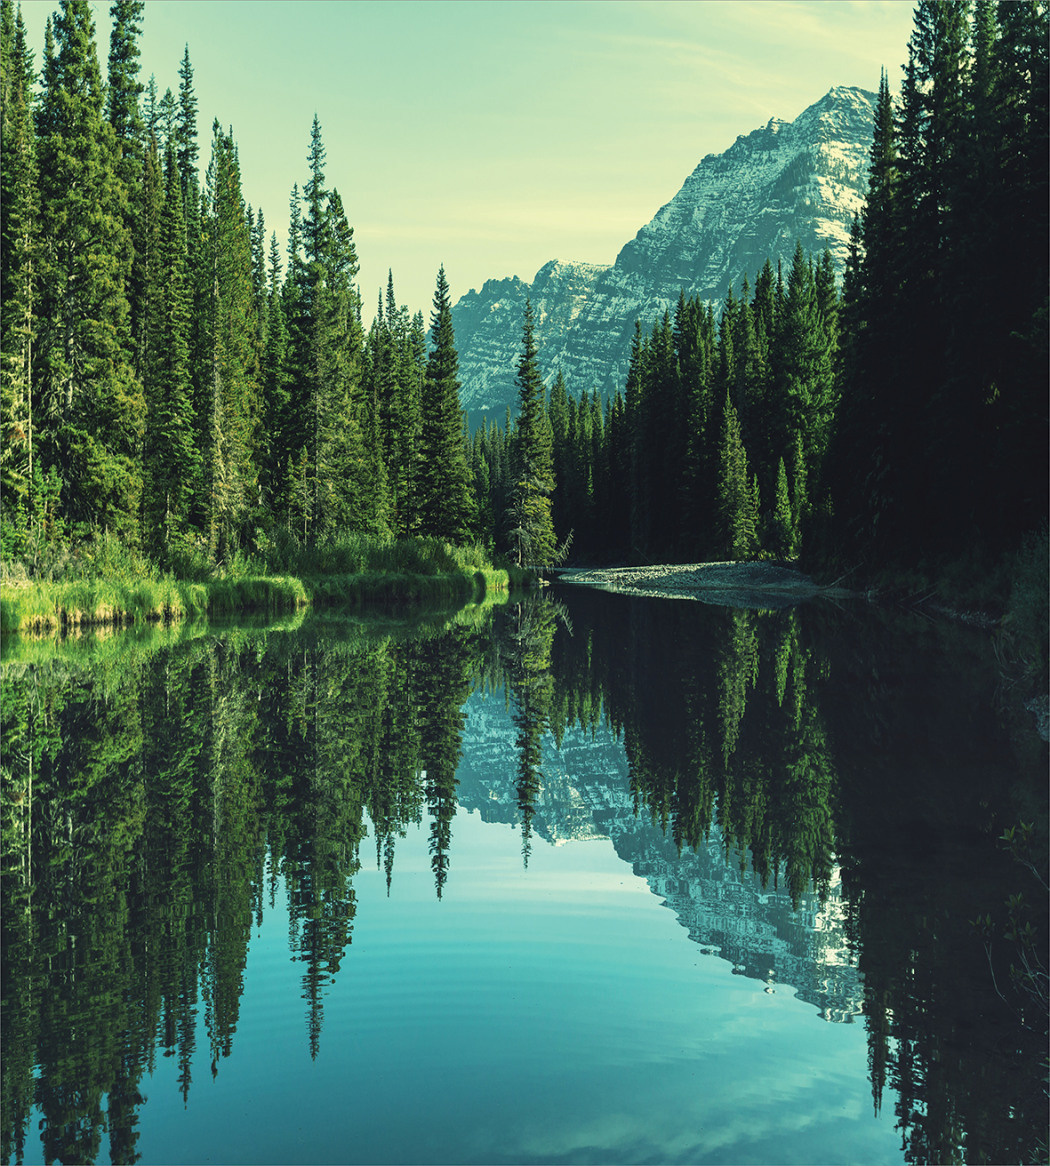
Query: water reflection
[{"x": 800, "y": 792}]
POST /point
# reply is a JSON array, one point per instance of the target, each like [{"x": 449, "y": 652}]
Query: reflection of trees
[
  {"x": 824, "y": 740},
  {"x": 141, "y": 797},
  {"x": 528, "y": 633},
  {"x": 720, "y": 724},
  {"x": 443, "y": 685},
  {"x": 923, "y": 800},
  {"x": 150, "y": 803}
]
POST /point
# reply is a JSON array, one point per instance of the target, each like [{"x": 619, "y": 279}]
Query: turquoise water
[
  {"x": 558, "y": 1014},
  {"x": 610, "y": 881}
]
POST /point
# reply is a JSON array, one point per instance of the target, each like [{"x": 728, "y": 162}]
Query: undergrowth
[{"x": 108, "y": 582}]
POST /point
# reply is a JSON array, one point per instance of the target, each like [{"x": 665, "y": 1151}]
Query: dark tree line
[
  {"x": 942, "y": 429},
  {"x": 716, "y": 446},
  {"x": 901, "y": 419}
]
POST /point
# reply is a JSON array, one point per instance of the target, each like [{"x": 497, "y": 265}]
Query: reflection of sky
[{"x": 557, "y": 1014}]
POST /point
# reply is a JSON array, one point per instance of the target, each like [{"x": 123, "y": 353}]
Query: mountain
[{"x": 788, "y": 181}]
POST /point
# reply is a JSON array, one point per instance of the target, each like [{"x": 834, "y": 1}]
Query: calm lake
[{"x": 589, "y": 879}]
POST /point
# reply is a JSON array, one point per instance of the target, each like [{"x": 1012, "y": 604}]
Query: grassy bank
[
  {"x": 108, "y": 585},
  {"x": 40, "y": 607}
]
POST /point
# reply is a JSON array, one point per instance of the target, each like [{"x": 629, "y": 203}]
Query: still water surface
[{"x": 597, "y": 880}]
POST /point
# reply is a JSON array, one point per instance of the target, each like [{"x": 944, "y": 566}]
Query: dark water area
[{"x": 589, "y": 879}]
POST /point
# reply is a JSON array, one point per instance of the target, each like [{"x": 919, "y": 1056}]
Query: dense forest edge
[{"x": 185, "y": 405}]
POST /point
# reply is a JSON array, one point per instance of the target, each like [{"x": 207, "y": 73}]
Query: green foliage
[
  {"x": 942, "y": 424},
  {"x": 107, "y": 582},
  {"x": 89, "y": 392},
  {"x": 171, "y": 460},
  {"x": 737, "y": 502},
  {"x": 19, "y": 212},
  {"x": 445, "y": 507},
  {"x": 782, "y": 539},
  {"x": 531, "y": 532},
  {"x": 228, "y": 408}
]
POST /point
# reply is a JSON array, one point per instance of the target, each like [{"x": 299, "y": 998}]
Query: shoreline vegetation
[{"x": 112, "y": 586}]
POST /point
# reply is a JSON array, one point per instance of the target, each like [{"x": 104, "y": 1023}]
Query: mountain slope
[{"x": 801, "y": 180}]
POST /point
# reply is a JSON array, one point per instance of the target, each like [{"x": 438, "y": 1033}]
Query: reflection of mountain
[
  {"x": 144, "y": 789},
  {"x": 585, "y": 793}
]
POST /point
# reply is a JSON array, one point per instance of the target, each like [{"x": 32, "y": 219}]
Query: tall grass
[
  {"x": 361, "y": 554},
  {"x": 105, "y": 582}
]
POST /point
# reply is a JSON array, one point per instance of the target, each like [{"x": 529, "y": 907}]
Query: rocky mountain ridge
[{"x": 785, "y": 182}]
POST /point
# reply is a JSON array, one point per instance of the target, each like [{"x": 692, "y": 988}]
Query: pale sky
[{"x": 494, "y": 136}]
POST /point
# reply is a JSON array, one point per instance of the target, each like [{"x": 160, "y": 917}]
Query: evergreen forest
[{"x": 174, "y": 381}]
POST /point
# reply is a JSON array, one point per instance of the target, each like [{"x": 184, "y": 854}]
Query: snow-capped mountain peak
[{"x": 784, "y": 182}]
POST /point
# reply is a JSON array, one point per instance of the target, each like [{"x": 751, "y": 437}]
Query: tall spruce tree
[
  {"x": 737, "y": 507},
  {"x": 90, "y": 395},
  {"x": 185, "y": 135},
  {"x": 230, "y": 417},
  {"x": 19, "y": 241},
  {"x": 532, "y": 528},
  {"x": 445, "y": 506},
  {"x": 170, "y": 458},
  {"x": 349, "y": 474},
  {"x": 396, "y": 368},
  {"x": 277, "y": 427},
  {"x": 123, "y": 92},
  {"x": 335, "y": 478}
]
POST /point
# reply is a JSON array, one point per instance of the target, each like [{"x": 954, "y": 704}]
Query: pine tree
[
  {"x": 783, "y": 541},
  {"x": 124, "y": 88},
  {"x": 123, "y": 113},
  {"x": 167, "y": 116},
  {"x": 396, "y": 367},
  {"x": 697, "y": 353},
  {"x": 571, "y": 458},
  {"x": 532, "y": 528},
  {"x": 330, "y": 420},
  {"x": 349, "y": 475},
  {"x": 277, "y": 424},
  {"x": 185, "y": 135},
  {"x": 170, "y": 456},
  {"x": 19, "y": 210},
  {"x": 737, "y": 508},
  {"x": 230, "y": 417},
  {"x": 145, "y": 268},
  {"x": 445, "y": 505},
  {"x": 664, "y": 438},
  {"x": 638, "y": 470},
  {"x": 872, "y": 387},
  {"x": 91, "y": 398},
  {"x": 805, "y": 365}
]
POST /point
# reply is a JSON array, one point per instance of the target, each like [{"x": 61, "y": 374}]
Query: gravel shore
[{"x": 762, "y": 585}]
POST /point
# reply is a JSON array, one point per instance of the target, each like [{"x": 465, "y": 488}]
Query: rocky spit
[{"x": 735, "y": 584}]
